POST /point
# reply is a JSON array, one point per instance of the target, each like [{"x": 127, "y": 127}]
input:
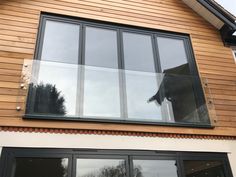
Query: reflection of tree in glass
[
  {"x": 48, "y": 99},
  {"x": 64, "y": 165},
  {"x": 114, "y": 171},
  {"x": 137, "y": 171}
]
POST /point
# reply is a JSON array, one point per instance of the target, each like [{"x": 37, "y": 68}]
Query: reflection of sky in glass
[
  {"x": 172, "y": 53},
  {"x": 157, "y": 168},
  {"x": 64, "y": 163},
  {"x": 101, "y": 47},
  {"x": 61, "y": 42},
  {"x": 101, "y": 92},
  {"x": 92, "y": 167},
  {"x": 141, "y": 86},
  {"x": 138, "y": 52},
  {"x": 64, "y": 77}
]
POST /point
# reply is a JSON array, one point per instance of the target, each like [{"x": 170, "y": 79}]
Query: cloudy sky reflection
[
  {"x": 157, "y": 168},
  {"x": 93, "y": 167}
]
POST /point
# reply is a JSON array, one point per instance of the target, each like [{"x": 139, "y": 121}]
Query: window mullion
[
  {"x": 164, "y": 107},
  {"x": 121, "y": 71},
  {"x": 80, "y": 74},
  {"x": 130, "y": 167}
]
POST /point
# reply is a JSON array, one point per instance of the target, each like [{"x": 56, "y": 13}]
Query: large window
[
  {"x": 20, "y": 162},
  {"x": 92, "y": 71}
]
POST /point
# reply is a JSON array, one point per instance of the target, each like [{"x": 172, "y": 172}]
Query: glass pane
[
  {"x": 173, "y": 56},
  {"x": 101, "y": 92},
  {"x": 40, "y": 167},
  {"x": 154, "y": 168},
  {"x": 100, "y": 168},
  {"x": 140, "y": 87},
  {"x": 204, "y": 168},
  {"x": 178, "y": 93},
  {"x": 54, "y": 89},
  {"x": 177, "y": 86},
  {"x": 138, "y": 52},
  {"x": 61, "y": 42},
  {"x": 101, "y": 47}
]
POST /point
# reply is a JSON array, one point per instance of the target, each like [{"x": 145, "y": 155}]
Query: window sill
[{"x": 120, "y": 121}]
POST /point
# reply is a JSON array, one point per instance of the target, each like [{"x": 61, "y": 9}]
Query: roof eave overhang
[
  {"x": 219, "y": 13},
  {"x": 226, "y": 22},
  {"x": 229, "y": 28}
]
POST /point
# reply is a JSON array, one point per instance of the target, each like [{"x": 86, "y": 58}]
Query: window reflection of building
[
  {"x": 204, "y": 168},
  {"x": 176, "y": 90}
]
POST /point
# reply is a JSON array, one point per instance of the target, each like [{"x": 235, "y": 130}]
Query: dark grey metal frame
[
  {"x": 9, "y": 154},
  {"x": 119, "y": 29}
]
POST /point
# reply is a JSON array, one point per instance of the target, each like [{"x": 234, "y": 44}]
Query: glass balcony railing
[{"x": 78, "y": 92}]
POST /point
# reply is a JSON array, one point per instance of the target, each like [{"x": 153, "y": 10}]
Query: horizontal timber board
[
  {"x": 134, "y": 12},
  {"x": 9, "y": 91},
  {"x": 55, "y": 6},
  {"x": 16, "y": 121}
]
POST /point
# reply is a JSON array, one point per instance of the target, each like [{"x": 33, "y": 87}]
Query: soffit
[{"x": 205, "y": 13}]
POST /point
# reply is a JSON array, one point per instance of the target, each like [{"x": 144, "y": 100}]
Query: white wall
[{"x": 12, "y": 139}]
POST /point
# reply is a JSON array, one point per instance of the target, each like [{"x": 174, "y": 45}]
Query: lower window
[{"x": 22, "y": 162}]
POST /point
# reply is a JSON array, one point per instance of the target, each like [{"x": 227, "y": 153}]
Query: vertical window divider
[
  {"x": 121, "y": 71},
  {"x": 180, "y": 165},
  {"x": 156, "y": 54},
  {"x": 130, "y": 166},
  {"x": 39, "y": 42},
  {"x": 160, "y": 76},
  {"x": 80, "y": 73},
  {"x": 73, "y": 165},
  {"x": 79, "y": 91},
  {"x": 70, "y": 166}
]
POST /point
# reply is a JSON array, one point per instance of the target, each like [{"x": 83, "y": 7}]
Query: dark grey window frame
[
  {"x": 9, "y": 153},
  {"x": 198, "y": 93}
]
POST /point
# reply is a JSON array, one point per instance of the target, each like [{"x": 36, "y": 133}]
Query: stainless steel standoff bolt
[
  {"x": 25, "y": 65},
  {"x": 18, "y": 108},
  {"x": 22, "y": 86}
]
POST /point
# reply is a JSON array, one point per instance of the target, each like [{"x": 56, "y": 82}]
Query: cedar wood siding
[{"x": 19, "y": 20}]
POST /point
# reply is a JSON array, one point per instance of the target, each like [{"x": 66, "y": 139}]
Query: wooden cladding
[{"x": 19, "y": 20}]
